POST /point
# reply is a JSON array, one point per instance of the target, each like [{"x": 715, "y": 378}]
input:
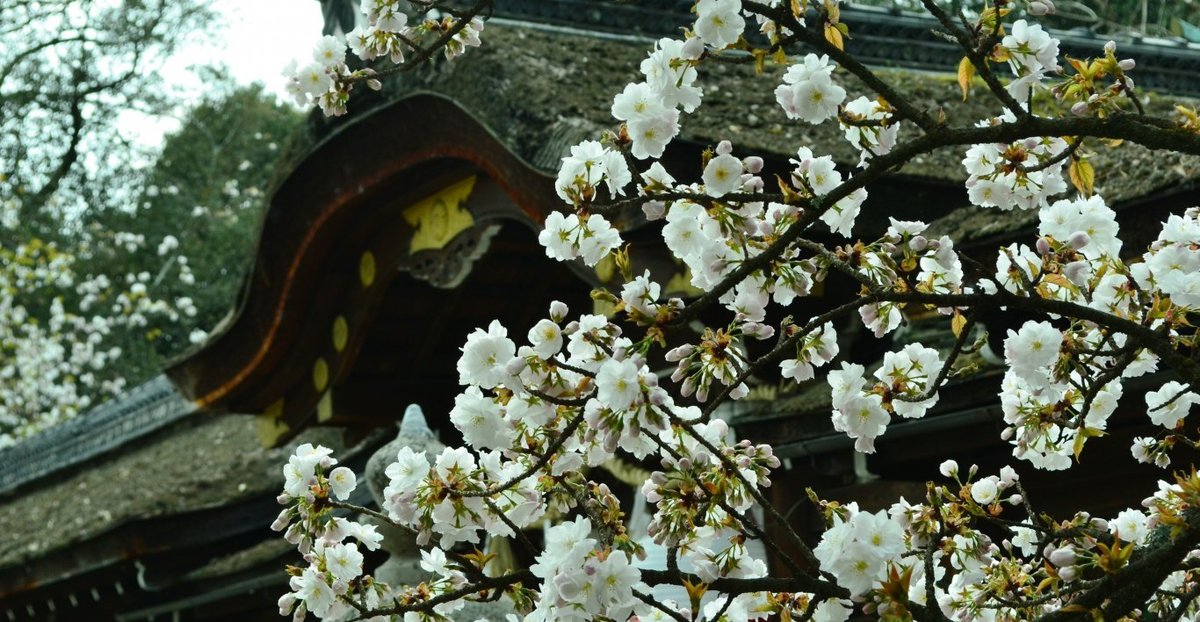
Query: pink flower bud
[
  {"x": 1077, "y": 272},
  {"x": 679, "y": 353},
  {"x": 918, "y": 243},
  {"x": 752, "y": 164},
  {"x": 757, "y": 331},
  {"x": 688, "y": 387},
  {"x": 1043, "y": 246},
  {"x": 286, "y": 603},
  {"x": 654, "y": 210},
  {"x": 1079, "y": 239},
  {"x": 1079, "y": 109},
  {"x": 281, "y": 522},
  {"x": 1062, "y": 557},
  {"x": 1110, "y": 47},
  {"x": 724, "y": 147},
  {"x": 1041, "y": 7},
  {"x": 1127, "y": 64}
]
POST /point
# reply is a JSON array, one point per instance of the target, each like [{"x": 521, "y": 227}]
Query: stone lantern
[{"x": 403, "y": 566}]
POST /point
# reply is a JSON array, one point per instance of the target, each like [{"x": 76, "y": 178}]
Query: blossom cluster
[
  {"x": 808, "y": 91},
  {"x": 59, "y": 330},
  {"x": 327, "y": 80},
  {"x": 1022, "y": 175},
  {"x": 1058, "y": 389},
  {"x": 523, "y": 410},
  {"x": 904, "y": 387},
  {"x": 1032, "y": 53},
  {"x": 335, "y": 565},
  {"x": 879, "y": 557}
]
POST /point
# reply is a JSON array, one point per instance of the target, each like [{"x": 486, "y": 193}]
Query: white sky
[{"x": 258, "y": 38}]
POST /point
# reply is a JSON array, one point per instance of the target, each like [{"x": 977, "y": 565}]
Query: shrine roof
[
  {"x": 541, "y": 89},
  {"x": 198, "y": 463}
]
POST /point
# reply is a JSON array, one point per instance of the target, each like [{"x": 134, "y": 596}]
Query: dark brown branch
[
  {"x": 426, "y": 53},
  {"x": 779, "y": 352},
  {"x": 31, "y": 207},
  {"x": 734, "y": 587},
  {"x": 1147, "y": 134},
  {"x": 1116, "y": 595},
  {"x": 959, "y": 343}
]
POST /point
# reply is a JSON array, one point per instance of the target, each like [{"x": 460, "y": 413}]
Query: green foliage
[
  {"x": 69, "y": 71},
  {"x": 94, "y": 305},
  {"x": 1147, "y": 17},
  {"x": 208, "y": 189}
]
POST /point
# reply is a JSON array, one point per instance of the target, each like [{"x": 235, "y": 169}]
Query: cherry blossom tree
[
  {"x": 540, "y": 407},
  {"x": 91, "y": 307}
]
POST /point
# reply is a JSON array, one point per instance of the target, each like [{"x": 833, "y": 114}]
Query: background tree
[
  {"x": 95, "y": 303},
  {"x": 70, "y": 70},
  {"x": 204, "y": 196}
]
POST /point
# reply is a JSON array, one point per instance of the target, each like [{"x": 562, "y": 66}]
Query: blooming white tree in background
[
  {"x": 540, "y": 408},
  {"x": 91, "y": 304},
  {"x": 60, "y": 326}
]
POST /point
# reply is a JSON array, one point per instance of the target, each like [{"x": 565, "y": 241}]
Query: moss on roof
[
  {"x": 266, "y": 551},
  {"x": 541, "y": 90},
  {"x": 202, "y": 462}
]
